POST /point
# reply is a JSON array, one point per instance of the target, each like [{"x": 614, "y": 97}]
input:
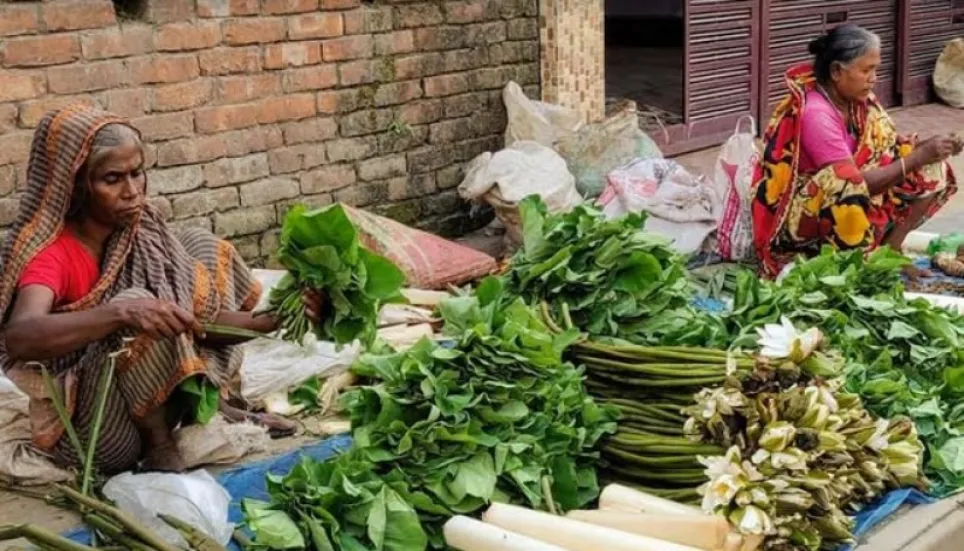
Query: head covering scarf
[
  {"x": 796, "y": 213},
  {"x": 143, "y": 256}
]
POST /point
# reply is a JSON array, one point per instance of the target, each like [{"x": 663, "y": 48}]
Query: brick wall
[{"x": 250, "y": 105}]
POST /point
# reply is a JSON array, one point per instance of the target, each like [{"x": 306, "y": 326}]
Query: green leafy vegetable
[
  {"x": 321, "y": 250},
  {"x": 205, "y": 398}
]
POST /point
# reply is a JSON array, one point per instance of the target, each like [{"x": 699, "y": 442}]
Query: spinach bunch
[
  {"x": 495, "y": 414},
  {"x": 905, "y": 355},
  {"x": 610, "y": 276},
  {"x": 321, "y": 250}
]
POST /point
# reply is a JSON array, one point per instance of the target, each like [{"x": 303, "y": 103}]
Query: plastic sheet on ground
[
  {"x": 880, "y": 510},
  {"x": 248, "y": 481}
]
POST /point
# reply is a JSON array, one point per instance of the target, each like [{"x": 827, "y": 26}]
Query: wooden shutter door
[
  {"x": 928, "y": 25},
  {"x": 790, "y": 25},
  {"x": 720, "y": 79}
]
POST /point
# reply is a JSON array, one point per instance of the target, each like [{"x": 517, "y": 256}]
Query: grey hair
[
  {"x": 843, "y": 44},
  {"x": 107, "y": 138}
]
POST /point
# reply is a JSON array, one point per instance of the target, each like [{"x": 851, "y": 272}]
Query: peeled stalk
[
  {"x": 115, "y": 533},
  {"x": 118, "y": 516},
  {"x": 61, "y": 409},
  {"x": 39, "y": 536}
]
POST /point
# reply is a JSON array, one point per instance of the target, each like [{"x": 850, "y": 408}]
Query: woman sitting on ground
[
  {"x": 834, "y": 171},
  {"x": 89, "y": 264}
]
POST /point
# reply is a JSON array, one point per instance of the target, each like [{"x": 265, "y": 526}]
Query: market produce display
[
  {"x": 904, "y": 356},
  {"x": 321, "y": 250},
  {"x": 445, "y": 430}
]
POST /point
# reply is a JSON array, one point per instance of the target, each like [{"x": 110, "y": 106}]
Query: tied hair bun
[{"x": 819, "y": 45}]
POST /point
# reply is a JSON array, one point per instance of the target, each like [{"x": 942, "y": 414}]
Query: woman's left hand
[{"x": 314, "y": 302}]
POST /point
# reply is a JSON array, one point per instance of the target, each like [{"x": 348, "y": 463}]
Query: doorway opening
[{"x": 644, "y": 59}]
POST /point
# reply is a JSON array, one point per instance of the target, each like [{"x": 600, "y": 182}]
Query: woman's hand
[
  {"x": 157, "y": 318},
  {"x": 314, "y": 302},
  {"x": 936, "y": 149}
]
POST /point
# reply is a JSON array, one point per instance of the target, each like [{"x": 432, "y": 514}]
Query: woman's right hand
[
  {"x": 934, "y": 150},
  {"x": 157, "y": 318}
]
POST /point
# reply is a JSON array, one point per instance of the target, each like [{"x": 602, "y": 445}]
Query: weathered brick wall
[{"x": 250, "y": 105}]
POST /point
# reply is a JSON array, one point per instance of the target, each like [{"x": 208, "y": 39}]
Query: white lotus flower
[
  {"x": 879, "y": 441},
  {"x": 777, "y": 436},
  {"x": 783, "y": 341},
  {"x": 827, "y": 398},
  {"x": 760, "y": 456},
  {"x": 752, "y": 473},
  {"x": 720, "y": 465},
  {"x": 791, "y": 459},
  {"x": 753, "y": 521},
  {"x": 720, "y": 492}
]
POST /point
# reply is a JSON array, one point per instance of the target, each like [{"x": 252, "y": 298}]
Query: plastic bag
[
  {"x": 536, "y": 121},
  {"x": 734, "y": 179},
  {"x": 272, "y": 366},
  {"x": 949, "y": 74},
  {"x": 681, "y": 206},
  {"x": 504, "y": 179},
  {"x": 598, "y": 149},
  {"x": 195, "y": 498},
  {"x": 945, "y": 244},
  {"x": 219, "y": 442},
  {"x": 20, "y": 462}
]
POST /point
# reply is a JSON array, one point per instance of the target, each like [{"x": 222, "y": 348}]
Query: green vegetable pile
[
  {"x": 321, "y": 250},
  {"x": 904, "y": 356},
  {"x": 499, "y": 416},
  {"x": 610, "y": 277}
]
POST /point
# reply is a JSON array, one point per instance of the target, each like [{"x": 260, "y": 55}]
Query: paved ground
[{"x": 926, "y": 120}]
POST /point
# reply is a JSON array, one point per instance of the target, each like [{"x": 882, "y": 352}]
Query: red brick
[
  {"x": 225, "y": 61},
  {"x": 446, "y": 85},
  {"x": 343, "y": 101},
  {"x": 225, "y": 8},
  {"x": 328, "y": 178},
  {"x": 310, "y": 130},
  {"x": 418, "y": 65},
  {"x": 226, "y": 117},
  {"x": 398, "y": 92},
  {"x": 32, "y": 111},
  {"x": 286, "y": 108},
  {"x": 240, "y": 32},
  {"x": 167, "y": 11},
  {"x": 128, "y": 102},
  {"x": 354, "y": 73},
  {"x": 247, "y": 88},
  {"x": 439, "y": 38},
  {"x": 291, "y": 54},
  {"x": 20, "y": 85},
  {"x": 15, "y": 147},
  {"x": 82, "y": 14},
  {"x": 277, "y": 7},
  {"x": 187, "y": 151},
  {"x": 131, "y": 40},
  {"x": 316, "y": 25},
  {"x": 421, "y": 112},
  {"x": 165, "y": 127},
  {"x": 470, "y": 11},
  {"x": 163, "y": 69},
  {"x": 309, "y": 79},
  {"x": 16, "y": 20},
  {"x": 198, "y": 35},
  {"x": 398, "y": 42},
  {"x": 41, "y": 50},
  {"x": 369, "y": 20},
  {"x": 348, "y": 47},
  {"x": 185, "y": 95},
  {"x": 339, "y": 4},
  {"x": 8, "y": 123},
  {"x": 88, "y": 77},
  {"x": 418, "y": 15}
]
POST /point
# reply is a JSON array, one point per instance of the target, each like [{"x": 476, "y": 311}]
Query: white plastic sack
[
  {"x": 195, "y": 498},
  {"x": 219, "y": 442},
  {"x": 272, "y": 366},
  {"x": 949, "y": 74},
  {"x": 680, "y": 206},
  {"x": 525, "y": 168},
  {"x": 734, "y": 180},
  {"x": 530, "y": 120}
]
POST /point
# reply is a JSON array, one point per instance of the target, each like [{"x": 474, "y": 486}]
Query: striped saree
[{"x": 194, "y": 270}]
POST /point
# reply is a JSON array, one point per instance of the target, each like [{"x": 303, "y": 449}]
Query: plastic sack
[
  {"x": 429, "y": 261},
  {"x": 20, "y": 462},
  {"x": 680, "y": 206},
  {"x": 272, "y": 366},
  {"x": 530, "y": 120},
  {"x": 734, "y": 180},
  {"x": 598, "y": 149},
  {"x": 219, "y": 442},
  {"x": 195, "y": 498},
  {"x": 507, "y": 177},
  {"x": 949, "y": 74},
  {"x": 949, "y": 243}
]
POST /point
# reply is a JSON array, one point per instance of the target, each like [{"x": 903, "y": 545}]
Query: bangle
[{"x": 903, "y": 168}]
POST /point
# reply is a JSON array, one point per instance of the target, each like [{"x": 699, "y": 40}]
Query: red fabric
[{"x": 66, "y": 267}]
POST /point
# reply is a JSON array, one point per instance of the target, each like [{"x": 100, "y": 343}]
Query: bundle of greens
[
  {"x": 441, "y": 431},
  {"x": 322, "y": 251},
  {"x": 904, "y": 356},
  {"x": 612, "y": 278}
]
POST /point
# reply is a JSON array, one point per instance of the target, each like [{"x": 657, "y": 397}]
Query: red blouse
[{"x": 66, "y": 267}]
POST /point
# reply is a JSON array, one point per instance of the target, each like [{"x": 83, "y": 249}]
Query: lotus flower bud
[{"x": 777, "y": 436}]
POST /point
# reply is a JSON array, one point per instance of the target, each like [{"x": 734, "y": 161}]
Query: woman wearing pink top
[{"x": 835, "y": 172}]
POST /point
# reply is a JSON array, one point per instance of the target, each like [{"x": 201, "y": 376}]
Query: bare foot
[
  {"x": 165, "y": 458},
  {"x": 277, "y": 426}
]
